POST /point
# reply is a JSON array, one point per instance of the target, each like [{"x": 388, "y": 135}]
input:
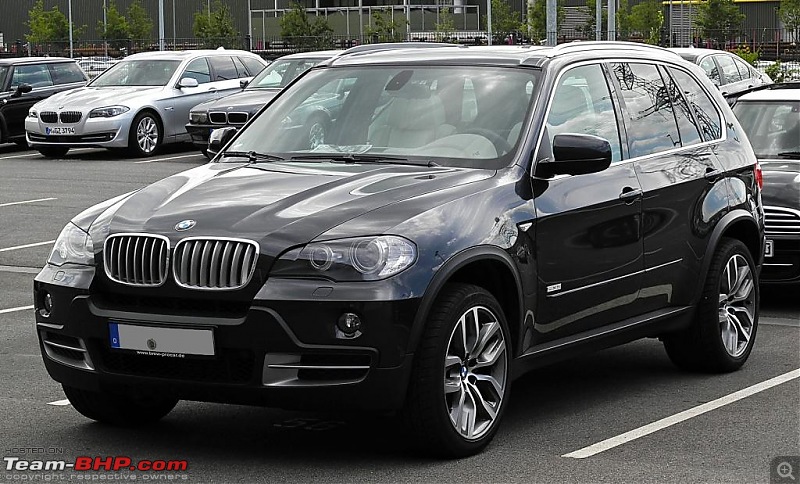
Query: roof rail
[
  {"x": 580, "y": 45},
  {"x": 360, "y": 49}
]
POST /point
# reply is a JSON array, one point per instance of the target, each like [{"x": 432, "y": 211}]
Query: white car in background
[
  {"x": 140, "y": 103},
  {"x": 729, "y": 72}
]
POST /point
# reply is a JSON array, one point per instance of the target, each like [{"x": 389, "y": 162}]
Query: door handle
[
  {"x": 212, "y": 89},
  {"x": 629, "y": 194},
  {"x": 712, "y": 174}
]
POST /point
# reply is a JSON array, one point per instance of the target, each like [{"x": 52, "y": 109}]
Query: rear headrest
[{"x": 568, "y": 102}]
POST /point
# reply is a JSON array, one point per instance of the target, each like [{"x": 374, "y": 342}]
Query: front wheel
[
  {"x": 145, "y": 136},
  {"x": 461, "y": 375},
  {"x": 724, "y": 328},
  {"x": 117, "y": 409}
]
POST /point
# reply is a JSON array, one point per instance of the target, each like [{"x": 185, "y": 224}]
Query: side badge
[{"x": 184, "y": 225}]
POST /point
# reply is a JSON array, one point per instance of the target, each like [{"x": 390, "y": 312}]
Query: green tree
[
  {"x": 588, "y": 28},
  {"x": 445, "y": 26},
  {"x": 537, "y": 19},
  {"x": 384, "y": 29},
  {"x": 747, "y": 55},
  {"x": 140, "y": 25},
  {"x": 647, "y": 19},
  {"x": 116, "y": 28},
  {"x": 216, "y": 29},
  {"x": 623, "y": 20},
  {"x": 789, "y": 13},
  {"x": 504, "y": 21},
  {"x": 298, "y": 29},
  {"x": 49, "y": 25},
  {"x": 718, "y": 19}
]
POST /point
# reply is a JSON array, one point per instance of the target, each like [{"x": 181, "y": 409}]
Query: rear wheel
[
  {"x": 146, "y": 134},
  {"x": 117, "y": 409},
  {"x": 53, "y": 151},
  {"x": 461, "y": 375},
  {"x": 724, "y": 329}
]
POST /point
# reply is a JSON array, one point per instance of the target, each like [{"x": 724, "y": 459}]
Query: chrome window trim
[
  {"x": 136, "y": 234},
  {"x": 221, "y": 239}
]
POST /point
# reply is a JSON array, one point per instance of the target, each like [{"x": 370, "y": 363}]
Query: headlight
[
  {"x": 73, "y": 246},
  {"x": 198, "y": 117},
  {"x": 33, "y": 114},
  {"x": 108, "y": 111},
  {"x": 357, "y": 259}
]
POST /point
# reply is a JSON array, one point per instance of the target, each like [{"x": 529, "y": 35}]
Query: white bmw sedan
[{"x": 138, "y": 104}]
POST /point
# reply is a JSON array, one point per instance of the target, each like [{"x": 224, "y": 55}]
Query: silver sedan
[{"x": 139, "y": 103}]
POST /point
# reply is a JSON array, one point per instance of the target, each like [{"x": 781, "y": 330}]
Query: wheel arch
[{"x": 488, "y": 267}]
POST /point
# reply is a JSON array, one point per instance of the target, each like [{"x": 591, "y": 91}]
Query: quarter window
[
  {"x": 198, "y": 69},
  {"x": 35, "y": 75},
  {"x": 582, "y": 104},
  {"x": 707, "y": 117},
  {"x": 650, "y": 121},
  {"x": 252, "y": 65}
]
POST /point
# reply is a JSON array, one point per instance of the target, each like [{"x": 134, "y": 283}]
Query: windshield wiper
[
  {"x": 790, "y": 154},
  {"x": 252, "y": 156},
  {"x": 355, "y": 158}
]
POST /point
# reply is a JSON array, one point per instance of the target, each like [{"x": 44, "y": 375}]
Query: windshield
[
  {"x": 451, "y": 116},
  {"x": 281, "y": 72},
  {"x": 137, "y": 73},
  {"x": 3, "y": 73},
  {"x": 772, "y": 126}
]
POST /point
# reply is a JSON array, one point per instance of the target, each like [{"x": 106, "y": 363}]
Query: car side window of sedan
[
  {"x": 729, "y": 70},
  {"x": 224, "y": 70},
  {"x": 582, "y": 104},
  {"x": 66, "y": 73},
  {"x": 253, "y": 66},
  {"x": 198, "y": 69},
  {"x": 744, "y": 70},
  {"x": 710, "y": 68},
  {"x": 37, "y": 75},
  {"x": 707, "y": 117}
]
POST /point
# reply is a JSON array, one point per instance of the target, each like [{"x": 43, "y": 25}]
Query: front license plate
[
  {"x": 59, "y": 130},
  {"x": 160, "y": 341},
  {"x": 769, "y": 250}
]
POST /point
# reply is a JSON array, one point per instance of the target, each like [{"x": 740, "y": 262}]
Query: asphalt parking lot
[{"x": 620, "y": 415}]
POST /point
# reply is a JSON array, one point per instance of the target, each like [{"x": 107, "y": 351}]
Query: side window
[
  {"x": 729, "y": 70},
  {"x": 241, "y": 70},
  {"x": 582, "y": 104},
  {"x": 252, "y": 65},
  {"x": 198, "y": 69},
  {"x": 707, "y": 117},
  {"x": 744, "y": 70},
  {"x": 66, "y": 73},
  {"x": 224, "y": 70},
  {"x": 684, "y": 115},
  {"x": 711, "y": 70},
  {"x": 650, "y": 122},
  {"x": 35, "y": 75}
]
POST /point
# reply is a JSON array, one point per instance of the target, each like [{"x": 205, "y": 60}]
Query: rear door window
[
  {"x": 684, "y": 114},
  {"x": 224, "y": 70},
  {"x": 66, "y": 73},
  {"x": 707, "y": 116},
  {"x": 729, "y": 70}
]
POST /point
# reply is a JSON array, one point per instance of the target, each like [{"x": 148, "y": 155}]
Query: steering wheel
[{"x": 500, "y": 144}]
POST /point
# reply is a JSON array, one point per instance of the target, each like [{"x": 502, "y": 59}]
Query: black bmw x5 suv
[{"x": 472, "y": 213}]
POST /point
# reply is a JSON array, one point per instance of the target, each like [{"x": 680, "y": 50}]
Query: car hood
[
  {"x": 96, "y": 97},
  {"x": 781, "y": 183},
  {"x": 247, "y": 100},
  {"x": 278, "y": 204}
]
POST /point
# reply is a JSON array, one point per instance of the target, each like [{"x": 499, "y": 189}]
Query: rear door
[{"x": 588, "y": 227}]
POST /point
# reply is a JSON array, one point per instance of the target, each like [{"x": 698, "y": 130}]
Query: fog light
[
  {"x": 348, "y": 326},
  {"x": 47, "y": 304}
]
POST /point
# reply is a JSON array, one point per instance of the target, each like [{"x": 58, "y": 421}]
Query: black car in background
[
  {"x": 24, "y": 81},
  {"x": 473, "y": 213},
  {"x": 236, "y": 109},
  {"x": 771, "y": 119}
]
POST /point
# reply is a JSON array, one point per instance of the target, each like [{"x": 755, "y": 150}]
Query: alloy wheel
[
  {"x": 147, "y": 134},
  {"x": 736, "y": 305}
]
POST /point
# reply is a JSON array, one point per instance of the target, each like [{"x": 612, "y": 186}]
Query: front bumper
[
  {"x": 200, "y": 133},
  {"x": 99, "y": 132},
  {"x": 278, "y": 350}
]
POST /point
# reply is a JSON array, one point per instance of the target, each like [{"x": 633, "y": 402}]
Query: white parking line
[
  {"x": 27, "y": 201},
  {"x": 29, "y": 152},
  {"x": 11, "y": 310},
  {"x": 165, "y": 159},
  {"x": 59, "y": 403},
  {"x": 27, "y": 245},
  {"x": 682, "y": 416}
]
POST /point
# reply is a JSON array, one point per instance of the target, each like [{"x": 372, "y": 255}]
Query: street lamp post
[
  {"x": 160, "y": 24},
  {"x": 105, "y": 29}
]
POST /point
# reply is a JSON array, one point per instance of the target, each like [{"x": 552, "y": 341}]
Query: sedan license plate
[
  {"x": 769, "y": 250},
  {"x": 160, "y": 341},
  {"x": 59, "y": 130}
]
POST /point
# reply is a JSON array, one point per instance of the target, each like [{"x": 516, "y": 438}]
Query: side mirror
[
  {"x": 218, "y": 139},
  {"x": 22, "y": 89},
  {"x": 576, "y": 154},
  {"x": 188, "y": 82},
  {"x": 243, "y": 83}
]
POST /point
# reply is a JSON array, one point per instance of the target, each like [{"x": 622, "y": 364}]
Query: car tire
[
  {"x": 723, "y": 331},
  {"x": 477, "y": 374},
  {"x": 53, "y": 151},
  {"x": 206, "y": 153},
  {"x": 316, "y": 129},
  {"x": 21, "y": 142},
  {"x": 146, "y": 135},
  {"x": 117, "y": 409}
]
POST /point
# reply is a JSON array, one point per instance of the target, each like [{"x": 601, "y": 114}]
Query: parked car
[
  {"x": 729, "y": 72},
  {"x": 771, "y": 119},
  {"x": 26, "y": 80},
  {"x": 236, "y": 109},
  {"x": 473, "y": 213},
  {"x": 94, "y": 66},
  {"x": 140, "y": 103}
]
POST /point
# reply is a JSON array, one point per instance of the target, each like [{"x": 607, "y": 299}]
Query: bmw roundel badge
[{"x": 184, "y": 225}]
